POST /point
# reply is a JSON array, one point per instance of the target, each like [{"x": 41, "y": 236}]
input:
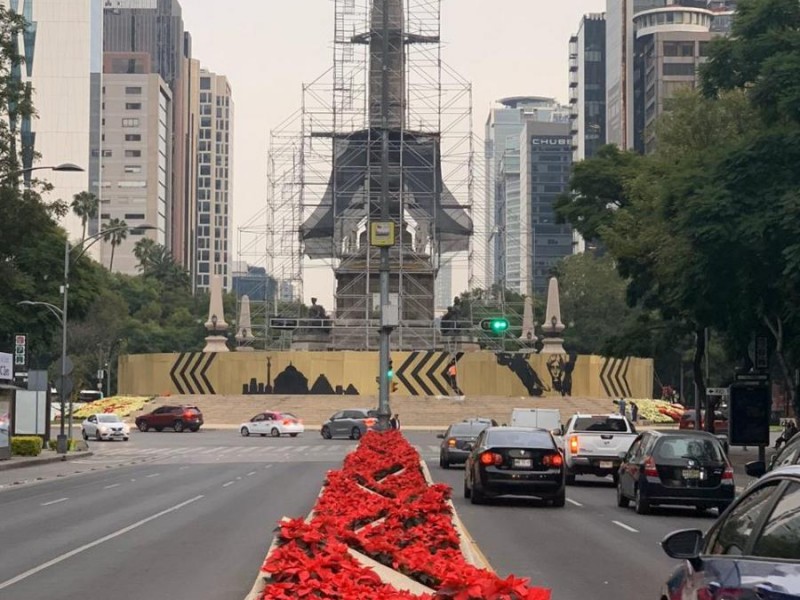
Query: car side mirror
[
  {"x": 440, "y": 436},
  {"x": 623, "y": 455},
  {"x": 683, "y": 545},
  {"x": 555, "y": 432},
  {"x": 756, "y": 468},
  {"x": 468, "y": 446}
]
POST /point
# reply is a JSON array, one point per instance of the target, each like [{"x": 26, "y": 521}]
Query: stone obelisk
[
  {"x": 244, "y": 329},
  {"x": 552, "y": 326},
  {"x": 528, "y": 336},
  {"x": 216, "y": 325}
]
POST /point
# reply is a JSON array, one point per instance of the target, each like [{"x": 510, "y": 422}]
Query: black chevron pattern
[{"x": 189, "y": 373}]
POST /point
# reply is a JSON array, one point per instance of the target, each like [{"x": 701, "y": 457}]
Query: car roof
[
  {"x": 516, "y": 429},
  {"x": 681, "y": 433},
  {"x": 780, "y": 472},
  {"x": 593, "y": 416}
]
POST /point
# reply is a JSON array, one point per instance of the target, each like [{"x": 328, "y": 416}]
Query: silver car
[{"x": 350, "y": 423}]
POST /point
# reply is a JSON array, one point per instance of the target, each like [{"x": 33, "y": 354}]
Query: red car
[
  {"x": 177, "y": 418},
  {"x": 720, "y": 421}
]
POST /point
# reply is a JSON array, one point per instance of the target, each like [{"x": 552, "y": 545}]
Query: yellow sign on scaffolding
[{"x": 381, "y": 234}]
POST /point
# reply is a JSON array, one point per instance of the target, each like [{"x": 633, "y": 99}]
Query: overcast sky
[{"x": 269, "y": 48}]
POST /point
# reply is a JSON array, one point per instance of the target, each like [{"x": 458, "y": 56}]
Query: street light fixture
[{"x": 62, "y": 168}]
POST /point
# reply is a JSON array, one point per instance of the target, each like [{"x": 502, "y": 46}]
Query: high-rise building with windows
[
  {"x": 587, "y": 86},
  {"x": 137, "y": 154},
  {"x": 62, "y": 48},
  {"x": 214, "y": 253}
]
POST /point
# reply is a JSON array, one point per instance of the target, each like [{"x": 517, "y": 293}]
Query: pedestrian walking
[
  {"x": 452, "y": 375},
  {"x": 395, "y": 422},
  {"x": 622, "y": 406},
  {"x": 634, "y": 412}
]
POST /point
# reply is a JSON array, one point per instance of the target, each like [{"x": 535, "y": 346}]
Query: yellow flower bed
[
  {"x": 122, "y": 406},
  {"x": 658, "y": 411}
]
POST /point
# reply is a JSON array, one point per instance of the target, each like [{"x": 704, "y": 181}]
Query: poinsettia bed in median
[{"x": 380, "y": 505}]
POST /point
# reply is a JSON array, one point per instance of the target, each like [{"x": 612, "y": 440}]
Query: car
[
  {"x": 457, "y": 439},
  {"x": 593, "y": 444},
  {"x": 686, "y": 468},
  {"x": 179, "y": 418},
  {"x": 518, "y": 461},
  {"x": 275, "y": 424},
  {"x": 687, "y": 421},
  {"x": 105, "y": 426},
  {"x": 350, "y": 423},
  {"x": 788, "y": 455},
  {"x": 751, "y": 551}
]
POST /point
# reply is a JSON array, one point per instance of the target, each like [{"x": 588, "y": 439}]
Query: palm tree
[
  {"x": 85, "y": 205},
  {"x": 116, "y": 237},
  {"x": 143, "y": 251}
]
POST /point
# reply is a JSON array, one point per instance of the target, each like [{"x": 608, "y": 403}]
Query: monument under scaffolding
[{"x": 324, "y": 185}]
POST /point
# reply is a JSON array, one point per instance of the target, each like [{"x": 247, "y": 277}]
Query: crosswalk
[{"x": 120, "y": 452}]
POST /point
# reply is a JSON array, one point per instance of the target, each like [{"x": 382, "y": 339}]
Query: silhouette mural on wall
[
  {"x": 291, "y": 381},
  {"x": 519, "y": 365},
  {"x": 561, "y": 372}
]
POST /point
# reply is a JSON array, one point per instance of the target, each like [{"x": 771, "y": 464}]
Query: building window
[
  {"x": 133, "y": 137},
  {"x": 134, "y": 217},
  {"x": 133, "y": 106},
  {"x": 205, "y": 83},
  {"x": 133, "y": 153},
  {"x": 132, "y": 184},
  {"x": 133, "y": 169},
  {"x": 679, "y": 69},
  {"x": 134, "y": 90},
  {"x": 130, "y": 122}
]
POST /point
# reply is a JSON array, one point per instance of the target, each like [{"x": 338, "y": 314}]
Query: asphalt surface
[{"x": 191, "y": 515}]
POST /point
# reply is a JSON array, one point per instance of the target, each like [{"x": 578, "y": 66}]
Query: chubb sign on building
[{"x": 551, "y": 141}]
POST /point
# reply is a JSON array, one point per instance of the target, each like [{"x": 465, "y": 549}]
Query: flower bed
[
  {"x": 380, "y": 505},
  {"x": 658, "y": 411},
  {"x": 122, "y": 406}
]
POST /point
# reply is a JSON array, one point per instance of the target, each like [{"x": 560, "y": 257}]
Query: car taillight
[
  {"x": 727, "y": 476},
  {"x": 650, "y": 467},
  {"x": 491, "y": 458},
  {"x": 187, "y": 415},
  {"x": 451, "y": 442},
  {"x": 573, "y": 444},
  {"x": 553, "y": 460},
  {"x": 370, "y": 422},
  {"x": 287, "y": 421}
]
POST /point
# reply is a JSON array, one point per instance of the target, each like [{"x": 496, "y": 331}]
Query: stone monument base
[
  {"x": 553, "y": 346},
  {"x": 311, "y": 342},
  {"x": 216, "y": 343}
]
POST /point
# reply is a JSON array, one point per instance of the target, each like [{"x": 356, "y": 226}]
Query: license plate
[
  {"x": 691, "y": 474},
  {"x": 606, "y": 464},
  {"x": 523, "y": 463}
]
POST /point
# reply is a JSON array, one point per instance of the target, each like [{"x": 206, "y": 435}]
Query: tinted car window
[
  {"x": 789, "y": 455},
  {"x": 467, "y": 429},
  {"x": 688, "y": 447},
  {"x": 600, "y": 424},
  {"x": 523, "y": 439},
  {"x": 108, "y": 419},
  {"x": 353, "y": 414},
  {"x": 635, "y": 451},
  {"x": 779, "y": 538},
  {"x": 338, "y": 415},
  {"x": 733, "y": 535}
]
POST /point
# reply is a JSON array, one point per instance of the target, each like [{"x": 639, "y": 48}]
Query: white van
[{"x": 541, "y": 418}]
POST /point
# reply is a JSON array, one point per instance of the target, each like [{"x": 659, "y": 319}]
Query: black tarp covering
[{"x": 416, "y": 162}]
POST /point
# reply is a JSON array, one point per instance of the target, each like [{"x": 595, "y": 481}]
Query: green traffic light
[
  {"x": 499, "y": 325},
  {"x": 390, "y": 373}
]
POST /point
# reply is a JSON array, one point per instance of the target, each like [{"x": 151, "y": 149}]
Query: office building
[
  {"x": 137, "y": 154},
  {"x": 587, "y": 86},
  {"x": 503, "y": 128},
  {"x": 253, "y": 282},
  {"x": 156, "y": 27},
  {"x": 63, "y": 58},
  {"x": 214, "y": 253}
]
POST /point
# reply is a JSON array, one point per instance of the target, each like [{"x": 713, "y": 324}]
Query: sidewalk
[{"x": 45, "y": 458}]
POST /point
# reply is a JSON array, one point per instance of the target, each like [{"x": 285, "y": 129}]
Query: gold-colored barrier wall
[{"x": 415, "y": 373}]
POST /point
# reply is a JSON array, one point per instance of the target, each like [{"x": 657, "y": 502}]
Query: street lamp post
[{"x": 62, "y": 168}]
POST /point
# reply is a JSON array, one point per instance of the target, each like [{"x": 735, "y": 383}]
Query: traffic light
[
  {"x": 390, "y": 372},
  {"x": 495, "y": 325}
]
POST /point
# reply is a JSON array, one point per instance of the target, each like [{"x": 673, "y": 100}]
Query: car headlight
[{"x": 103, "y": 429}]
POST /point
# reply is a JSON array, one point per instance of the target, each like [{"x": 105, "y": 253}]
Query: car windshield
[
  {"x": 613, "y": 424},
  {"x": 288, "y": 416},
  {"x": 519, "y": 439},
  {"x": 467, "y": 429},
  {"x": 702, "y": 449},
  {"x": 107, "y": 419}
]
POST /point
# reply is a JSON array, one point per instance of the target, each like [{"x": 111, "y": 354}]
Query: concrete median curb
[{"x": 22, "y": 462}]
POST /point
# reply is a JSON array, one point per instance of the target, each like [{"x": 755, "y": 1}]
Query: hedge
[{"x": 26, "y": 446}]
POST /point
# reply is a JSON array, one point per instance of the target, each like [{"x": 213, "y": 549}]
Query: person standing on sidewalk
[
  {"x": 452, "y": 375},
  {"x": 634, "y": 411}
]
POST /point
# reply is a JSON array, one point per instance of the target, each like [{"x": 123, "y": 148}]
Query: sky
[{"x": 269, "y": 48}]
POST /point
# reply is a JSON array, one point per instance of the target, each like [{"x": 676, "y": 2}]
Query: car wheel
[
  {"x": 97, "y": 436},
  {"x": 84, "y": 434},
  {"x": 467, "y": 491},
  {"x": 142, "y": 425},
  {"x": 640, "y": 504},
  {"x": 477, "y": 496},
  {"x": 178, "y": 426},
  {"x": 559, "y": 501},
  {"x": 615, "y": 477},
  {"x": 326, "y": 433},
  {"x": 443, "y": 462},
  {"x": 275, "y": 432},
  {"x": 293, "y": 435},
  {"x": 569, "y": 478},
  {"x": 355, "y": 434},
  {"x": 244, "y": 431},
  {"x": 125, "y": 439},
  {"x": 622, "y": 500}
]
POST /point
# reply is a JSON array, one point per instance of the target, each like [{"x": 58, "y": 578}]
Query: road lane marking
[
  {"x": 571, "y": 501},
  {"x": 251, "y": 473},
  {"x": 54, "y": 502},
  {"x": 152, "y": 475},
  {"x": 90, "y": 545},
  {"x": 227, "y": 484},
  {"x": 626, "y": 527},
  {"x": 113, "y": 485}
]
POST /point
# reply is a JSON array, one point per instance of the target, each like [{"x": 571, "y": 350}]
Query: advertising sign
[
  {"x": 6, "y": 366},
  {"x": 20, "y": 352},
  {"x": 749, "y": 407}
]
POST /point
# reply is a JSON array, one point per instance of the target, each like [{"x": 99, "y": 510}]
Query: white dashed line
[
  {"x": 227, "y": 484},
  {"x": 153, "y": 475},
  {"x": 626, "y": 527},
  {"x": 251, "y": 473},
  {"x": 113, "y": 485},
  {"x": 54, "y": 502},
  {"x": 571, "y": 501}
]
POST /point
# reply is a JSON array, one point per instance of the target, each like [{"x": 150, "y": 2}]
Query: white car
[
  {"x": 105, "y": 426},
  {"x": 272, "y": 423}
]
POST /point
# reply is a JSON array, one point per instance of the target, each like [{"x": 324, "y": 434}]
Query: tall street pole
[
  {"x": 62, "y": 439},
  {"x": 384, "y": 408}
]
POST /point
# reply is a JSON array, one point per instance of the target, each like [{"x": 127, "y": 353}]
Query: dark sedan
[
  {"x": 457, "y": 440},
  {"x": 678, "y": 468},
  {"x": 752, "y": 552},
  {"x": 515, "y": 461}
]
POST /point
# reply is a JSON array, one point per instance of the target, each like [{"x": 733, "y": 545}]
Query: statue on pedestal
[
  {"x": 320, "y": 322},
  {"x": 216, "y": 325},
  {"x": 552, "y": 326},
  {"x": 244, "y": 331}
]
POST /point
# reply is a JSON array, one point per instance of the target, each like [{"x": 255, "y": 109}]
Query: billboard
[{"x": 6, "y": 366}]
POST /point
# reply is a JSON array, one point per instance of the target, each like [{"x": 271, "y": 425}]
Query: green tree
[
  {"x": 116, "y": 237},
  {"x": 86, "y": 206}
]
